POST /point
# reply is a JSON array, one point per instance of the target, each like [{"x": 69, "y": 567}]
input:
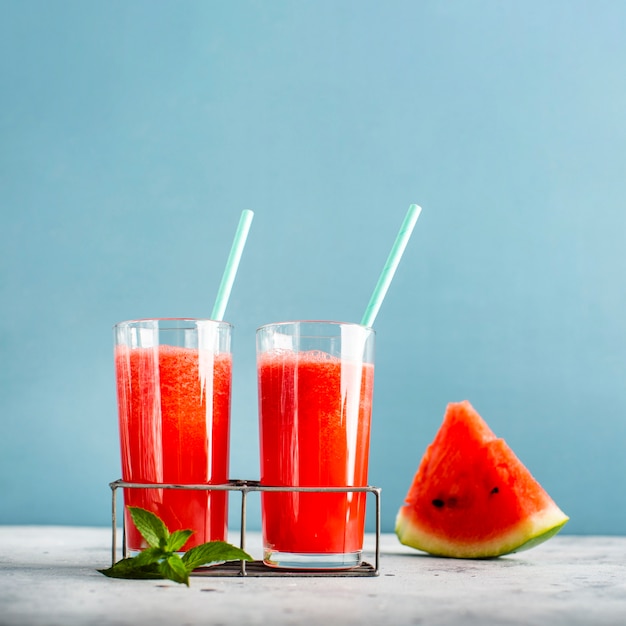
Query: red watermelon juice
[
  {"x": 315, "y": 413},
  {"x": 174, "y": 415}
]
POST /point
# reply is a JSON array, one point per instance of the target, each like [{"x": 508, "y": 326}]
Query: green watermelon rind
[
  {"x": 535, "y": 541},
  {"x": 525, "y": 535}
]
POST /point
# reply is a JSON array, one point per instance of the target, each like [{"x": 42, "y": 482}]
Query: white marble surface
[{"x": 48, "y": 577}]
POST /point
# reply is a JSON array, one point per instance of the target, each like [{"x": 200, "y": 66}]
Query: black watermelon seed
[
  {"x": 495, "y": 490},
  {"x": 438, "y": 503}
]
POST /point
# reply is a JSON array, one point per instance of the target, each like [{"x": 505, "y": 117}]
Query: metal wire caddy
[{"x": 251, "y": 568}]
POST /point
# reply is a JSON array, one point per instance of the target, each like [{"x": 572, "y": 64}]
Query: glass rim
[
  {"x": 318, "y": 323},
  {"x": 190, "y": 320}
]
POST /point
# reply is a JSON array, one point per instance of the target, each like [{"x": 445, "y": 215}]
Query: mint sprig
[{"x": 160, "y": 560}]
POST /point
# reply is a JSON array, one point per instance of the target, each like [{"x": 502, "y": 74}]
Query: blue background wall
[{"x": 132, "y": 134}]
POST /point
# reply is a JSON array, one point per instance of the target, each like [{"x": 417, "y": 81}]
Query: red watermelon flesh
[{"x": 472, "y": 497}]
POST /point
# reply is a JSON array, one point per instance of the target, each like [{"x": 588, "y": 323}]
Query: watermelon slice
[{"x": 472, "y": 497}]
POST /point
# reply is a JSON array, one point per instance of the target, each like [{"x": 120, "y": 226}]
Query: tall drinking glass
[
  {"x": 174, "y": 388},
  {"x": 315, "y": 382}
]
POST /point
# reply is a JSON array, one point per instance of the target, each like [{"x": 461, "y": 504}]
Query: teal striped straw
[
  {"x": 232, "y": 264},
  {"x": 386, "y": 276}
]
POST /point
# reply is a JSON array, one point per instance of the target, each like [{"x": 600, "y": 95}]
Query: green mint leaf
[
  {"x": 177, "y": 540},
  {"x": 128, "y": 568},
  {"x": 148, "y": 557},
  {"x": 160, "y": 559},
  {"x": 152, "y": 529},
  {"x": 213, "y": 552},
  {"x": 174, "y": 569}
]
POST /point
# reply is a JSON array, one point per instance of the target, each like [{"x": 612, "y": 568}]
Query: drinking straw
[
  {"x": 391, "y": 265},
  {"x": 232, "y": 264}
]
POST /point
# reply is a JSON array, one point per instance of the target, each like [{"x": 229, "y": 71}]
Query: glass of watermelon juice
[
  {"x": 315, "y": 384},
  {"x": 174, "y": 389}
]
